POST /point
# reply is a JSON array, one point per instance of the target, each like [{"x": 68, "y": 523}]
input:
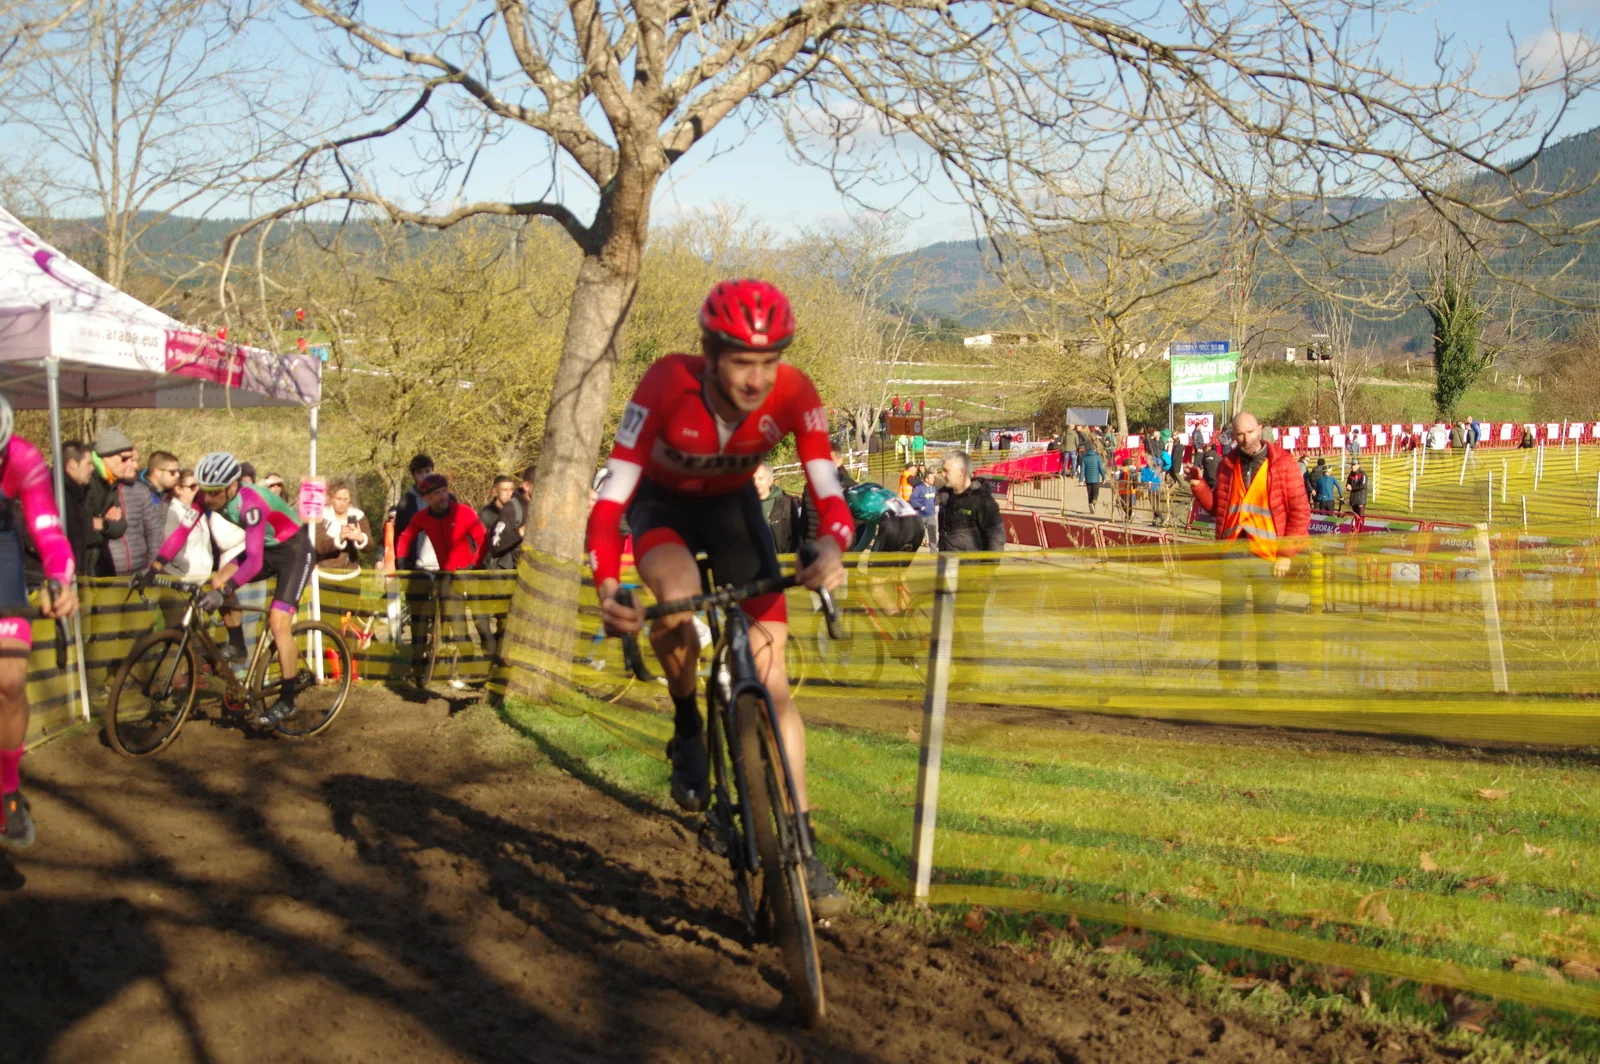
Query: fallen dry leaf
[
  {"x": 1524, "y": 965},
  {"x": 1247, "y": 982},
  {"x": 1427, "y": 863},
  {"x": 1282, "y": 840},
  {"x": 1530, "y": 850},
  {"x": 1207, "y": 971},
  {"x": 1123, "y": 940},
  {"x": 1555, "y": 911},
  {"x": 974, "y": 922},
  {"x": 1492, "y": 794},
  {"x": 1372, "y": 906},
  {"x": 1025, "y": 850},
  {"x": 1577, "y": 970},
  {"x": 1469, "y": 1014}
]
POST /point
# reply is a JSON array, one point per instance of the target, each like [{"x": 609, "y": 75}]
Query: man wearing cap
[{"x": 131, "y": 549}]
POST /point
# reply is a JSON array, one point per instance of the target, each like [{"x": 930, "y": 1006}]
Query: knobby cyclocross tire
[
  {"x": 783, "y": 885},
  {"x": 152, "y": 694},
  {"x": 318, "y": 701},
  {"x": 434, "y": 635},
  {"x": 720, "y": 817}
]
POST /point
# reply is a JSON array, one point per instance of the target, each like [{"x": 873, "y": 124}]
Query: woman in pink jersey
[{"x": 24, "y": 477}]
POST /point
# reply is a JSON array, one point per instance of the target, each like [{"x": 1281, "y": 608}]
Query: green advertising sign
[{"x": 1203, "y": 372}]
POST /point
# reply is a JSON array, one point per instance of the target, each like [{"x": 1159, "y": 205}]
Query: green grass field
[
  {"x": 1561, "y": 497},
  {"x": 1393, "y": 855}
]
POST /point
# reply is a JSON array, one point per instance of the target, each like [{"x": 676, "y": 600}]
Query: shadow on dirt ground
[{"x": 422, "y": 884}]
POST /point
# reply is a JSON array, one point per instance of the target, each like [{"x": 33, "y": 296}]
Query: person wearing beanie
[{"x": 130, "y": 550}]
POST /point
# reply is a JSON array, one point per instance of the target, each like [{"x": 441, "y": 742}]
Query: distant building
[{"x": 1000, "y": 339}]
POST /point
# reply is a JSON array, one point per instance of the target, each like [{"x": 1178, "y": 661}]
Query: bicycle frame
[{"x": 735, "y": 658}]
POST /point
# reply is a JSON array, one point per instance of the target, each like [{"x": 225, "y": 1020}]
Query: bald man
[{"x": 1262, "y": 513}]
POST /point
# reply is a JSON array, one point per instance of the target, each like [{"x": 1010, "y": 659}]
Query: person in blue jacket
[{"x": 925, "y": 500}]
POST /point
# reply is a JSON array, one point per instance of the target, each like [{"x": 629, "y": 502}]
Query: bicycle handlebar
[{"x": 725, "y": 598}]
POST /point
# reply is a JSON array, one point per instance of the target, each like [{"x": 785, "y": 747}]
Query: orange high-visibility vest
[{"x": 1249, "y": 514}]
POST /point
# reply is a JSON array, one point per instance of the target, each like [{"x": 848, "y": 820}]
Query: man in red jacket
[
  {"x": 1261, "y": 511},
  {"x": 457, "y": 537}
]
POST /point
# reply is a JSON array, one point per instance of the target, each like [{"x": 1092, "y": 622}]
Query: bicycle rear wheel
[
  {"x": 152, "y": 694},
  {"x": 323, "y": 666},
  {"x": 783, "y": 886}
]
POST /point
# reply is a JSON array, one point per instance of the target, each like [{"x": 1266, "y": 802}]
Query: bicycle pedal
[{"x": 713, "y": 841}]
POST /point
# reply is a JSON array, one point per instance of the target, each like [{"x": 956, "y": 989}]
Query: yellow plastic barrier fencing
[{"x": 1385, "y": 760}]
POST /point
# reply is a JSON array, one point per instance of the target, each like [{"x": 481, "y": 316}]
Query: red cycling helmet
[
  {"x": 750, "y": 314},
  {"x": 432, "y": 482}
]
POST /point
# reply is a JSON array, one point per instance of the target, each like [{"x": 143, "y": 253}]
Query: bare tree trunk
[
  {"x": 580, "y": 398},
  {"x": 1119, "y": 400}
]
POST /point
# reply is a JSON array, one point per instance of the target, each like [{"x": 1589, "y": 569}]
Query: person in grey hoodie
[{"x": 141, "y": 538}]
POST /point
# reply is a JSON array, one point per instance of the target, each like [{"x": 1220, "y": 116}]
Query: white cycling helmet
[
  {"x": 217, "y": 470},
  {"x": 6, "y": 421}
]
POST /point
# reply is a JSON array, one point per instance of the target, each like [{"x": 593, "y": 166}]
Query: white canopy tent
[{"x": 68, "y": 339}]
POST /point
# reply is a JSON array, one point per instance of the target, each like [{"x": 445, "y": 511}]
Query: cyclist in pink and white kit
[{"x": 24, "y": 477}]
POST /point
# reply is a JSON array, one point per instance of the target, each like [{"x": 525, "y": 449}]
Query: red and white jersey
[{"x": 670, "y": 434}]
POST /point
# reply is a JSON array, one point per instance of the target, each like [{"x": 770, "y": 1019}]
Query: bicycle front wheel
[
  {"x": 323, "y": 668},
  {"x": 774, "y": 820},
  {"x": 152, "y": 694}
]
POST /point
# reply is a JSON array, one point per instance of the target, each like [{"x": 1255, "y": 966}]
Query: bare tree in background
[
  {"x": 861, "y": 327},
  {"x": 26, "y": 24},
  {"x": 1349, "y": 363},
  {"x": 147, "y": 110},
  {"x": 1128, "y": 269}
]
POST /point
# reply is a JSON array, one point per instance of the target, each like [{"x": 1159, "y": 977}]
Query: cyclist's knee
[
  {"x": 13, "y": 679},
  {"x": 670, "y": 635}
]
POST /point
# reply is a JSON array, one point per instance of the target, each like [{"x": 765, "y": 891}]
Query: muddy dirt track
[{"x": 416, "y": 886}]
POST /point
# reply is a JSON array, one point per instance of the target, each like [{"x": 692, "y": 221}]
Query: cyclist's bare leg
[
  {"x": 13, "y": 727},
  {"x": 767, "y": 640},
  {"x": 670, "y": 572},
  {"x": 13, "y": 693},
  {"x": 281, "y": 623}
]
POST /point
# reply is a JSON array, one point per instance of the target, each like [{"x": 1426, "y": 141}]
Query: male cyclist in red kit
[{"x": 682, "y": 470}]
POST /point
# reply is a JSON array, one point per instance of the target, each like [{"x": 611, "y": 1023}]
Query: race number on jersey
[{"x": 633, "y": 418}]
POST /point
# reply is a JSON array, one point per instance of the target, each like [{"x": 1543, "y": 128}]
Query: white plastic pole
[
  {"x": 52, "y": 385},
  {"x": 314, "y": 648},
  {"x": 935, "y": 694},
  {"x": 1504, "y": 466},
  {"x": 1491, "y": 614},
  {"x": 1491, "y": 496},
  {"x": 1524, "y": 513},
  {"x": 1461, "y": 478}
]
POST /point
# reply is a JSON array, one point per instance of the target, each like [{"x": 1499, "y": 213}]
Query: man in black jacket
[
  {"x": 969, "y": 518},
  {"x": 503, "y": 518},
  {"x": 780, "y": 510},
  {"x": 411, "y": 504}
]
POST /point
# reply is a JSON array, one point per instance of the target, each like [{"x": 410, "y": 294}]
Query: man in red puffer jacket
[
  {"x": 457, "y": 536},
  {"x": 1261, "y": 511}
]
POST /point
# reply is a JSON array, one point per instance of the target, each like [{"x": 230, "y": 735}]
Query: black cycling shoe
[
  {"x": 689, "y": 771},
  {"x": 19, "y": 833},
  {"x": 826, "y": 897},
  {"x": 275, "y": 714},
  {"x": 230, "y": 653}
]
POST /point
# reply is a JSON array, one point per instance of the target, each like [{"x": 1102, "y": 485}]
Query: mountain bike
[
  {"x": 753, "y": 818},
  {"x": 155, "y": 690}
]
